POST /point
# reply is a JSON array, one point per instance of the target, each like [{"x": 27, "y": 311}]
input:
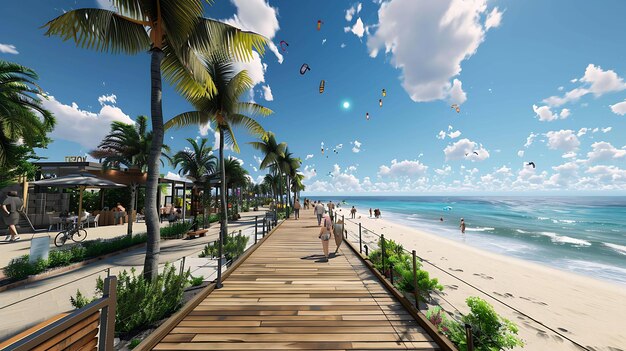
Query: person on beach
[
  {"x": 338, "y": 231},
  {"x": 319, "y": 212},
  {"x": 370, "y": 212},
  {"x": 331, "y": 207},
  {"x": 353, "y": 212},
  {"x": 440, "y": 219},
  {"x": 296, "y": 209},
  {"x": 462, "y": 226},
  {"x": 325, "y": 233},
  {"x": 10, "y": 211}
]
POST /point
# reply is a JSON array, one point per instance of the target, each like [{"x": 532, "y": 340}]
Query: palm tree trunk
[
  {"x": 151, "y": 263},
  {"x": 223, "y": 210},
  {"x": 133, "y": 199}
]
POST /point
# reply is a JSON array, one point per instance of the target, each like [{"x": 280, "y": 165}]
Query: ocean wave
[
  {"x": 620, "y": 249},
  {"x": 543, "y": 218},
  {"x": 568, "y": 221},
  {"x": 521, "y": 231},
  {"x": 479, "y": 229},
  {"x": 562, "y": 239}
]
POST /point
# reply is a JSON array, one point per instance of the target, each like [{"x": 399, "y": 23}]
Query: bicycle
[{"x": 74, "y": 232}]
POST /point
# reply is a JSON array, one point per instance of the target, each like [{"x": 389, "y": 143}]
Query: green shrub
[
  {"x": 491, "y": 331},
  {"x": 195, "y": 281},
  {"x": 95, "y": 248},
  {"x": 403, "y": 268},
  {"x": 59, "y": 258},
  {"x": 133, "y": 343},
  {"x": 81, "y": 300},
  {"x": 175, "y": 230},
  {"x": 20, "y": 268},
  {"x": 234, "y": 246},
  {"x": 141, "y": 303},
  {"x": 437, "y": 317}
]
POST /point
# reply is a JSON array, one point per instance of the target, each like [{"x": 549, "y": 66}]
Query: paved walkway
[
  {"x": 25, "y": 314},
  {"x": 284, "y": 297}
]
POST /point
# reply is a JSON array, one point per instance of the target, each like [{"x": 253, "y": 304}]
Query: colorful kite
[
  {"x": 384, "y": 93},
  {"x": 380, "y": 102},
  {"x": 456, "y": 107},
  {"x": 319, "y": 24},
  {"x": 322, "y": 86},
  {"x": 304, "y": 68},
  {"x": 284, "y": 45},
  {"x": 367, "y": 116}
]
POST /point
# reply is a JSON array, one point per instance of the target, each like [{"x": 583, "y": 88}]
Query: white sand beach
[{"x": 588, "y": 311}]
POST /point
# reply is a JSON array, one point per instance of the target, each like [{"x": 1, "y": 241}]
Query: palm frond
[{"x": 188, "y": 118}]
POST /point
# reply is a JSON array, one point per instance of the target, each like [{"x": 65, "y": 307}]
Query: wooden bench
[{"x": 199, "y": 232}]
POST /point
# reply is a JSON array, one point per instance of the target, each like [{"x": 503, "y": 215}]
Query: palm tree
[
  {"x": 296, "y": 184},
  {"x": 272, "y": 182},
  {"x": 288, "y": 165},
  {"x": 175, "y": 33},
  {"x": 197, "y": 164},
  {"x": 225, "y": 111},
  {"x": 236, "y": 176},
  {"x": 272, "y": 151},
  {"x": 127, "y": 145},
  {"x": 23, "y": 120}
]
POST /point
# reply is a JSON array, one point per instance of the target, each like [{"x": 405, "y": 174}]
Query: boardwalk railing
[{"x": 87, "y": 328}]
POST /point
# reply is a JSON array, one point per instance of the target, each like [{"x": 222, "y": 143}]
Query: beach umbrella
[{"x": 80, "y": 180}]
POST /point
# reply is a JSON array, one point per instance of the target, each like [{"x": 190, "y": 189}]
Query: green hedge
[
  {"x": 234, "y": 246},
  {"x": 19, "y": 268},
  {"x": 403, "y": 268},
  {"x": 141, "y": 303},
  {"x": 175, "y": 230}
]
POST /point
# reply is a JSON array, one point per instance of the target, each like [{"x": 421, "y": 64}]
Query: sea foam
[
  {"x": 479, "y": 229},
  {"x": 562, "y": 239},
  {"x": 621, "y": 249}
]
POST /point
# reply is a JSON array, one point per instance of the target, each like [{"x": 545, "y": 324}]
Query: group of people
[
  {"x": 328, "y": 228},
  {"x": 376, "y": 213}
]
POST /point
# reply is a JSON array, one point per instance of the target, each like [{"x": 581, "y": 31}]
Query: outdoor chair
[{"x": 93, "y": 220}]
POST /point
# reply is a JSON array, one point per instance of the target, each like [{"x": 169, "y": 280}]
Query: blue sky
[{"x": 535, "y": 81}]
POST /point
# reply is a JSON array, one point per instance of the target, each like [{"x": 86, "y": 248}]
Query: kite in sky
[
  {"x": 367, "y": 116},
  {"x": 531, "y": 164},
  {"x": 319, "y": 24},
  {"x": 322, "y": 86},
  {"x": 380, "y": 102},
  {"x": 456, "y": 107},
  {"x": 384, "y": 93},
  {"x": 304, "y": 68},
  {"x": 284, "y": 45}
]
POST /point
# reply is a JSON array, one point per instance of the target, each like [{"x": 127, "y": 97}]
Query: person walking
[
  {"x": 370, "y": 212},
  {"x": 319, "y": 212},
  {"x": 10, "y": 211},
  {"x": 353, "y": 212},
  {"x": 325, "y": 233},
  {"x": 296, "y": 209},
  {"x": 462, "y": 226},
  {"x": 338, "y": 230},
  {"x": 331, "y": 208}
]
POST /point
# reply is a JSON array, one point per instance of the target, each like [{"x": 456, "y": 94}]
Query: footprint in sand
[
  {"x": 563, "y": 330},
  {"x": 533, "y": 301},
  {"x": 452, "y": 287},
  {"x": 543, "y": 334},
  {"x": 507, "y": 295},
  {"x": 443, "y": 259},
  {"x": 483, "y": 275},
  {"x": 557, "y": 338},
  {"x": 455, "y": 269}
]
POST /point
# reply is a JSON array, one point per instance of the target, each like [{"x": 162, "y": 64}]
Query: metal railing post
[
  {"x": 360, "y": 240},
  {"x": 182, "y": 266},
  {"x": 263, "y": 231},
  {"x": 343, "y": 226},
  {"x": 366, "y": 251},
  {"x": 107, "y": 316},
  {"x": 256, "y": 228},
  {"x": 382, "y": 252},
  {"x": 470, "y": 337},
  {"x": 220, "y": 254},
  {"x": 391, "y": 272},
  {"x": 415, "y": 292}
]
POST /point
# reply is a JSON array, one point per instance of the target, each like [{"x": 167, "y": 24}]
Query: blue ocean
[{"x": 585, "y": 235}]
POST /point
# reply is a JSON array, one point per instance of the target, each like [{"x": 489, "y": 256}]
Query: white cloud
[
  {"x": 441, "y": 135},
  {"x": 8, "y": 49},
  {"x": 343, "y": 45},
  {"x": 570, "y": 154},
  {"x": 564, "y": 140},
  {"x": 357, "y": 29},
  {"x": 323, "y": 41},
  {"x": 309, "y": 172},
  {"x": 455, "y": 134},
  {"x": 456, "y": 93},
  {"x": 174, "y": 176},
  {"x": 83, "y": 127},
  {"x": 606, "y": 130},
  {"x": 354, "y": 10},
  {"x": 257, "y": 16},
  {"x": 450, "y": 31},
  {"x": 504, "y": 170},
  {"x": 596, "y": 81},
  {"x": 404, "y": 168},
  {"x": 560, "y": 88},
  {"x": 582, "y": 131},
  {"x": 564, "y": 113},
  {"x": 257, "y": 159},
  {"x": 356, "y": 148},
  {"x": 494, "y": 18},
  {"x": 619, "y": 108},
  {"x": 603, "y": 151},
  {"x": 464, "y": 149},
  {"x": 267, "y": 93},
  {"x": 520, "y": 153},
  {"x": 443, "y": 171},
  {"x": 104, "y": 99},
  {"x": 308, "y": 157},
  {"x": 530, "y": 139}
]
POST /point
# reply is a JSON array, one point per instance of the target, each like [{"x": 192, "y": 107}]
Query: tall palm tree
[
  {"x": 296, "y": 184},
  {"x": 272, "y": 151},
  {"x": 23, "y": 119},
  {"x": 288, "y": 165},
  {"x": 236, "y": 176},
  {"x": 197, "y": 164},
  {"x": 272, "y": 182},
  {"x": 224, "y": 110},
  {"x": 175, "y": 33},
  {"x": 127, "y": 145}
]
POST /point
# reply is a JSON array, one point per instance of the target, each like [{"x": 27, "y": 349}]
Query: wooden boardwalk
[{"x": 283, "y": 298}]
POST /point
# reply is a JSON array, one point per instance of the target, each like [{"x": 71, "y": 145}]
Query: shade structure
[{"x": 80, "y": 180}]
